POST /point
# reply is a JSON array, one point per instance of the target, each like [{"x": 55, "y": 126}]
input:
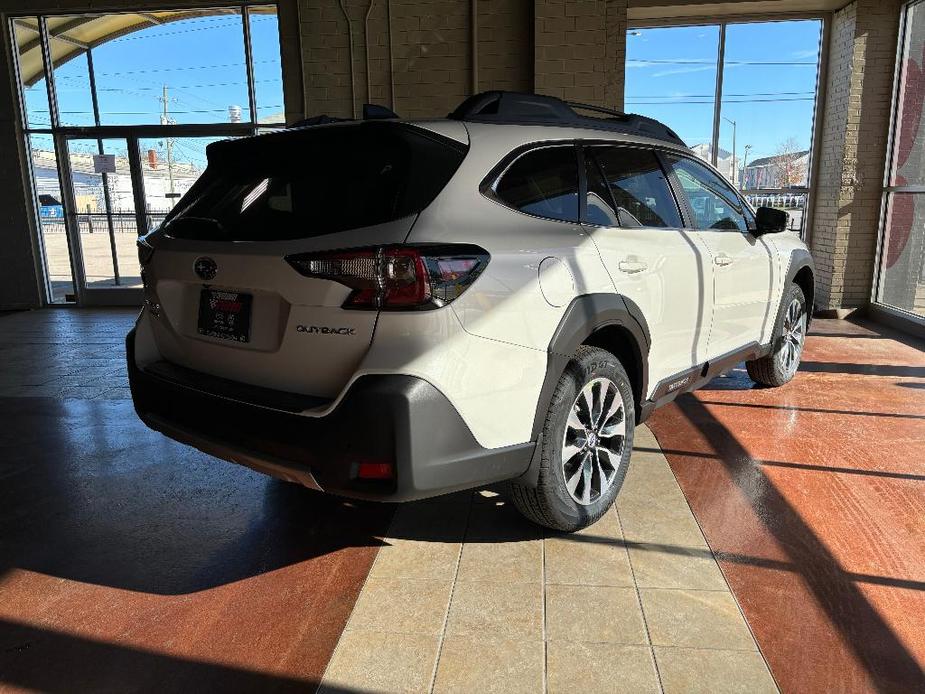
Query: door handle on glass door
[
  {"x": 722, "y": 259},
  {"x": 632, "y": 265}
]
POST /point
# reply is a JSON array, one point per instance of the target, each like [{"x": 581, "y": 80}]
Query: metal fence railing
[{"x": 98, "y": 222}]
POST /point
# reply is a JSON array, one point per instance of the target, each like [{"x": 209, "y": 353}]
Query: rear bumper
[{"x": 384, "y": 418}]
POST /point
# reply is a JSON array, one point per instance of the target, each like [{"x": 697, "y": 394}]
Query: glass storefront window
[
  {"x": 671, "y": 75},
  {"x": 268, "y": 75},
  {"x": 32, "y": 72},
  {"x": 909, "y": 138},
  {"x": 72, "y": 77},
  {"x": 901, "y": 282},
  {"x": 54, "y": 238},
  {"x": 769, "y": 95},
  {"x": 188, "y": 76},
  {"x": 760, "y": 135}
]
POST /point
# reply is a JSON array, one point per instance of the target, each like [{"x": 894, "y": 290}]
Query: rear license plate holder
[{"x": 225, "y": 314}]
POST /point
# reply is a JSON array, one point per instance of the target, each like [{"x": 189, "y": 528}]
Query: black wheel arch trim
[
  {"x": 585, "y": 315},
  {"x": 801, "y": 258}
]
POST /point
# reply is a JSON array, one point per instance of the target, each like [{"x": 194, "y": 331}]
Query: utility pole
[
  {"x": 165, "y": 120},
  {"x": 734, "y": 170},
  {"x": 744, "y": 167}
]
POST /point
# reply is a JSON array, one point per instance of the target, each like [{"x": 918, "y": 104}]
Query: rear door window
[
  {"x": 315, "y": 181},
  {"x": 637, "y": 186},
  {"x": 544, "y": 183}
]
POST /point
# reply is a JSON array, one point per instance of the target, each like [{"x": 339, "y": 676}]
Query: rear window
[
  {"x": 306, "y": 183},
  {"x": 544, "y": 183}
]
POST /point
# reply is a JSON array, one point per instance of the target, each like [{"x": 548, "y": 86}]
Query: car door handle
[
  {"x": 722, "y": 259},
  {"x": 632, "y": 266}
]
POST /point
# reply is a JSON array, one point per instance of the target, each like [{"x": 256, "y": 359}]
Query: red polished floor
[
  {"x": 813, "y": 498},
  {"x": 131, "y": 563}
]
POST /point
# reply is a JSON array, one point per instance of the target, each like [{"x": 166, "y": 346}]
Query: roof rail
[
  {"x": 522, "y": 108},
  {"x": 370, "y": 112}
]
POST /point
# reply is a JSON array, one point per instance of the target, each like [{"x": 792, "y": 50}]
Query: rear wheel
[
  {"x": 587, "y": 439},
  {"x": 780, "y": 366}
]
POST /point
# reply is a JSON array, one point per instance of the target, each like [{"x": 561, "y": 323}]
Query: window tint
[
  {"x": 714, "y": 204},
  {"x": 304, "y": 183},
  {"x": 543, "y": 182},
  {"x": 638, "y": 186}
]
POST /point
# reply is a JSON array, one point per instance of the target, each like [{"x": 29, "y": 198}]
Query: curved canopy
[{"x": 72, "y": 35}]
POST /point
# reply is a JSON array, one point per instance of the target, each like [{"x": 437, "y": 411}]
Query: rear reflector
[
  {"x": 375, "y": 471},
  {"x": 397, "y": 277}
]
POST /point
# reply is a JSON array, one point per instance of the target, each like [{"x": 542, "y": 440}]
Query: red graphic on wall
[{"x": 903, "y": 206}]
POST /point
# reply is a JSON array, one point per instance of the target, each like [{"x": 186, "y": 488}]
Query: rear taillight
[{"x": 397, "y": 277}]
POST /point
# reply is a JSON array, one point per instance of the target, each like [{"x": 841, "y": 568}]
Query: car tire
[
  {"x": 585, "y": 451},
  {"x": 781, "y": 364}
]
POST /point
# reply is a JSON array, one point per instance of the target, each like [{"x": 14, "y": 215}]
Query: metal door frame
[{"x": 132, "y": 135}]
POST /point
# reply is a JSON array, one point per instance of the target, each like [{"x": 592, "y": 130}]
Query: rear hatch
[{"x": 231, "y": 304}]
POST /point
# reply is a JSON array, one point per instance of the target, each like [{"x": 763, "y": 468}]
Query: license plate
[{"x": 225, "y": 314}]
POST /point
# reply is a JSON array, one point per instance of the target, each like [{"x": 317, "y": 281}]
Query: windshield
[{"x": 315, "y": 181}]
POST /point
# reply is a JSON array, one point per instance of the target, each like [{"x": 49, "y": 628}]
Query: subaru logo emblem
[{"x": 205, "y": 268}]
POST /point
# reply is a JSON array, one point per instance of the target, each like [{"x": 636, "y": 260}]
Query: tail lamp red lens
[
  {"x": 397, "y": 277},
  {"x": 374, "y": 470}
]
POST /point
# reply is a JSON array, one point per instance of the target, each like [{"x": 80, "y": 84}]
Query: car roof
[{"x": 511, "y": 136}]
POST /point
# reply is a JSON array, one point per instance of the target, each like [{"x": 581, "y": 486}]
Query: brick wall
[
  {"x": 855, "y": 129},
  {"x": 580, "y": 50},
  {"x": 572, "y": 49}
]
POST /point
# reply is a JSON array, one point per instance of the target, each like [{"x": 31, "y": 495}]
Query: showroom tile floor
[
  {"x": 65, "y": 353},
  {"x": 813, "y": 498},
  {"x": 129, "y": 562},
  {"x": 484, "y": 602}
]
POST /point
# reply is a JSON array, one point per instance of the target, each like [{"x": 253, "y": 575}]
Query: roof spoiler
[
  {"x": 370, "y": 112},
  {"x": 522, "y": 108}
]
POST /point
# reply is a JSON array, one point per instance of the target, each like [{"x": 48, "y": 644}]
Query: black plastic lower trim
[
  {"x": 698, "y": 376},
  {"x": 383, "y": 418}
]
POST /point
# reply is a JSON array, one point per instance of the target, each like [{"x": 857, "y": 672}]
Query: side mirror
[{"x": 770, "y": 221}]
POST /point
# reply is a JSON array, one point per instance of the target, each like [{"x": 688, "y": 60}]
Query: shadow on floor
[
  {"x": 89, "y": 494},
  {"x": 862, "y": 628},
  {"x": 76, "y": 666}
]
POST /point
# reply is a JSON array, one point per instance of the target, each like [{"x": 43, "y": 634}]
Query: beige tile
[
  {"x": 599, "y": 668},
  {"x": 695, "y": 619},
  {"x": 594, "y": 614},
  {"x": 499, "y": 521},
  {"x": 583, "y": 558},
  {"x": 652, "y": 508},
  {"x": 401, "y": 606},
  {"x": 431, "y": 520},
  {"x": 502, "y": 562},
  {"x": 606, "y": 528},
  {"x": 692, "y": 670},
  {"x": 644, "y": 438},
  {"x": 500, "y": 609},
  {"x": 378, "y": 662},
  {"x": 490, "y": 664},
  {"x": 661, "y": 566},
  {"x": 418, "y": 559}
]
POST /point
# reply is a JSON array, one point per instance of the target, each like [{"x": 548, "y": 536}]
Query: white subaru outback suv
[{"x": 393, "y": 310}]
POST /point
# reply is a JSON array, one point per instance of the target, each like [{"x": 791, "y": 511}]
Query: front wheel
[
  {"x": 780, "y": 366},
  {"x": 586, "y": 444}
]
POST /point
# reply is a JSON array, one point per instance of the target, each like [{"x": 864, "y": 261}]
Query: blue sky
[
  {"x": 200, "y": 60},
  {"x": 769, "y": 79},
  {"x": 769, "y": 82}
]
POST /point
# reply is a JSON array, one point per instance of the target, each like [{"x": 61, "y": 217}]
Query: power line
[
  {"x": 710, "y": 96},
  {"x": 725, "y": 101},
  {"x": 682, "y": 61},
  {"x": 165, "y": 69}
]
